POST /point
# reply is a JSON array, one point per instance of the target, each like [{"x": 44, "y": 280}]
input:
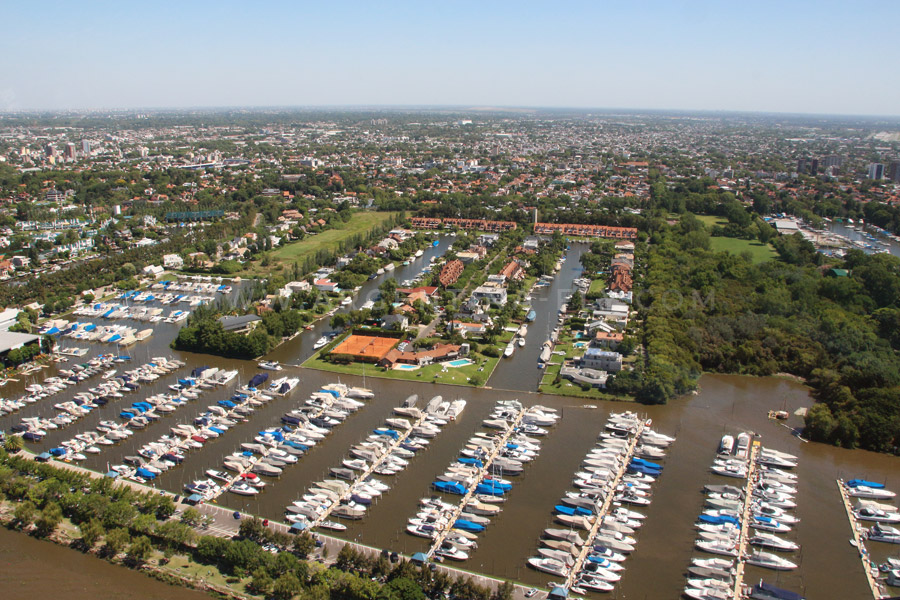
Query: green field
[
  {"x": 759, "y": 252},
  {"x": 359, "y": 224},
  {"x": 710, "y": 220}
]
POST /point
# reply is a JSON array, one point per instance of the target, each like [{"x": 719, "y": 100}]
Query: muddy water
[
  {"x": 31, "y": 568},
  {"x": 828, "y": 564},
  {"x": 520, "y": 371}
]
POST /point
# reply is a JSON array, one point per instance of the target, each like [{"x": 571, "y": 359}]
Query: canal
[
  {"x": 520, "y": 371},
  {"x": 829, "y": 567}
]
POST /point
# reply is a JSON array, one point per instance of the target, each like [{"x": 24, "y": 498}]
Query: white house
[
  {"x": 173, "y": 261},
  {"x": 326, "y": 285},
  {"x": 153, "y": 271},
  {"x": 493, "y": 293}
]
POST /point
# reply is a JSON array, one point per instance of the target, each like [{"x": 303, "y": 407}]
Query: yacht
[
  {"x": 768, "y": 560},
  {"x": 322, "y": 341},
  {"x": 270, "y": 365},
  {"x": 549, "y": 565},
  {"x": 884, "y": 533}
]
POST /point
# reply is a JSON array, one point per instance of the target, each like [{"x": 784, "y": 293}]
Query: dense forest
[{"x": 717, "y": 311}]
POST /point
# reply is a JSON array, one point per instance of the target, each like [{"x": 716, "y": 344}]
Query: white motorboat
[
  {"x": 767, "y": 560},
  {"x": 863, "y": 491},
  {"x": 322, "y": 341}
]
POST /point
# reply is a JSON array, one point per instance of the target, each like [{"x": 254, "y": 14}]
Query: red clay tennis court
[{"x": 367, "y": 348}]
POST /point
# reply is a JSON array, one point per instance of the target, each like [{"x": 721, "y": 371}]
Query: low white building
[
  {"x": 173, "y": 261},
  {"x": 493, "y": 293},
  {"x": 8, "y": 318},
  {"x": 154, "y": 271},
  {"x": 601, "y": 360}
]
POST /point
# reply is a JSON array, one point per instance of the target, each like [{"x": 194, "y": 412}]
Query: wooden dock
[
  {"x": 500, "y": 445},
  {"x": 745, "y": 520},
  {"x": 364, "y": 474},
  {"x": 601, "y": 513},
  {"x": 859, "y": 542}
]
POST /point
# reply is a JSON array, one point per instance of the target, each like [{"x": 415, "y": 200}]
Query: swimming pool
[
  {"x": 460, "y": 362},
  {"x": 580, "y": 344},
  {"x": 405, "y": 367}
]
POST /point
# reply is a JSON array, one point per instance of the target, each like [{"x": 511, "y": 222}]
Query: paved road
[{"x": 221, "y": 522}]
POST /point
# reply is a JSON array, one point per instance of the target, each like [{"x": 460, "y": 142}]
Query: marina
[{"x": 655, "y": 569}]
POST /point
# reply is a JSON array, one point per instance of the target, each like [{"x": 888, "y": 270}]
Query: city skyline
[{"x": 806, "y": 58}]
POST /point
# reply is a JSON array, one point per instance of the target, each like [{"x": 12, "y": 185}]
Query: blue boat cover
[
  {"x": 858, "y": 482},
  {"x": 145, "y": 473},
  {"x": 468, "y": 526}
]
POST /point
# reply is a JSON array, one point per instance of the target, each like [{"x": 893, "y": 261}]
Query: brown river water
[{"x": 829, "y": 567}]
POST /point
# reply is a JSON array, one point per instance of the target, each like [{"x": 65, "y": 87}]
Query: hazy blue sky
[{"x": 784, "y": 56}]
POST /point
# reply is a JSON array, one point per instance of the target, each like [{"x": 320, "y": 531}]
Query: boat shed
[
  {"x": 241, "y": 324},
  {"x": 193, "y": 499},
  {"x": 10, "y": 340},
  {"x": 43, "y": 457}
]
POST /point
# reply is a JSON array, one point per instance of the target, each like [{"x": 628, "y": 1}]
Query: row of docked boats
[
  {"x": 196, "y": 284},
  {"x": 477, "y": 475},
  {"x": 386, "y": 451},
  {"x": 612, "y": 484},
  {"x": 870, "y": 508},
  {"x": 53, "y": 385},
  {"x": 729, "y": 517},
  {"x": 170, "y": 450},
  {"x": 113, "y": 387},
  {"x": 275, "y": 448}
]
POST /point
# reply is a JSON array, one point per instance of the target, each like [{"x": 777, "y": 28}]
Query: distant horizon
[
  {"x": 474, "y": 110},
  {"x": 802, "y": 57}
]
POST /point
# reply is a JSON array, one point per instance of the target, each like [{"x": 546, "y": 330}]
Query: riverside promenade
[{"x": 222, "y": 522}]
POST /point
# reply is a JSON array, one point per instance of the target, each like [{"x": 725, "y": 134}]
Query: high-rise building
[
  {"x": 814, "y": 166},
  {"x": 876, "y": 171},
  {"x": 69, "y": 151},
  {"x": 86, "y": 147},
  {"x": 894, "y": 171},
  {"x": 802, "y": 165},
  {"x": 833, "y": 160},
  {"x": 49, "y": 150}
]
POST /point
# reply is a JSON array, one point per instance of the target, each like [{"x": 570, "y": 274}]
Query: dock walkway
[
  {"x": 859, "y": 542},
  {"x": 371, "y": 469},
  {"x": 601, "y": 513},
  {"x": 744, "y": 539},
  {"x": 500, "y": 445}
]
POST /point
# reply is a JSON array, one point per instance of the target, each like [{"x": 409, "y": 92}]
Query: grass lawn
[
  {"x": 597, "y": 286},
  {"x": 482, "y": 369},
  {"x": 759, "y": 252},
  {"x": 180, "y": 565},
  {"x": 359, "y": 223},
  {"x": 710, "y": 220},
  {"x": 566, "y": 387}
]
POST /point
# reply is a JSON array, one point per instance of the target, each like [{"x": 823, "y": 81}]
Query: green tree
[
  {"x": 191, "y": 516},
  {"x": 261, "y": 583},
  {"x": 286, "y": 587},
  {"x": 14, "y": 444},
  {"x": 49, "y": 519},
  {"x": 117, "y": 540},
  {"x": 91, "y": 532},
  {"x": 140, "y": 549},
  {"x": 25, "y": 513}
]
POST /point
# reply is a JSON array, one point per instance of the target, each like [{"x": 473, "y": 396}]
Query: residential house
[
  {"x": 466, "y": 328},
  {"x": 608, "y": 340},
  {"x": 438, "y": 353},
  {"x": 326, "y": 285},
  {"x": 154, "y": 271},
  {"x": 493, "y": 293},
  {"x": 396, "y": 321},
  {"x": 450, "y": 272},
  {"x": 241, "y": 324},
  {"x": 601, "y": 360}
]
